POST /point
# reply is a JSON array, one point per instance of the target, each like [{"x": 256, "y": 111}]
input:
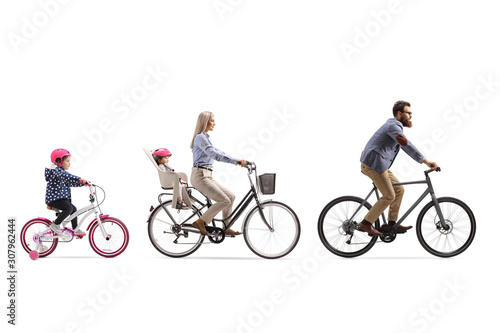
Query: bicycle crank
[
  {"x": 389, "y": 234},
  {"x": 217, "y": 235}
]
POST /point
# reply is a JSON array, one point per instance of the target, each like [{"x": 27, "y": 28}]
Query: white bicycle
[{"x": 108, "y": 236}]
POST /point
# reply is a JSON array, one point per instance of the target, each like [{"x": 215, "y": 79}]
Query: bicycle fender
[
  {"x": 95, "y": 221},
  {"x": 41, "y": 218},
  {"x": 248, "y": 212},
  {"x": 151, "y": 211}
]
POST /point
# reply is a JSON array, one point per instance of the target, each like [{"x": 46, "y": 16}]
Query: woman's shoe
[
  {"x": 200, "y": 225},
  {"x": 231, "y": 232}
]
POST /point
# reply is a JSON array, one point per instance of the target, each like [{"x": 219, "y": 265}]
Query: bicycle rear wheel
[
  {"x": 168, "y": 237},
  {"x": 31, "y": 230},
  {"x": 113, "y": 242},
  {"x": 446, "y": 243},
  {"x": 337, "y": 222}
]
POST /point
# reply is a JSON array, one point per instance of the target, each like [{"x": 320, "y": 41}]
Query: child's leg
[
  {"x": 179, "y": 195},
  {"x": 74, "y": 222},
  {"x": 66, "y": 209}
]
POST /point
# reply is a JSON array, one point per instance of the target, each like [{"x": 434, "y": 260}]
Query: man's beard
[{"x": 407, "y": 123}]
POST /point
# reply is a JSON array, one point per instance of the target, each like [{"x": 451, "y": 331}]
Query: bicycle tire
[
  {"x": 115, "y": 243},
  {"x": 266, "y": 243},
  {"x": 162, "y": 236},
  {"x": 29, "y": 230},
  {"x": 334, "y": 224},
  {"x": 462, "y": 230}
]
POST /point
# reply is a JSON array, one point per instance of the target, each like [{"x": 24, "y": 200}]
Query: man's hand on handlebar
[
  {"x": 243, "y": 163},
  {"x": 432, "y": 165}
]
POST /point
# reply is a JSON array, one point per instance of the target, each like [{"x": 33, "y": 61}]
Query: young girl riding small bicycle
[{"x": 58, "y": 192}]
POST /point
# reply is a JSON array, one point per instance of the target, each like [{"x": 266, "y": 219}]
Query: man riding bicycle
[{"x": 376, "y": 159}]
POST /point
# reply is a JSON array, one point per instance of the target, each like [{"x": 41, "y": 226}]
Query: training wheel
[{"x": 34, "y": 255}]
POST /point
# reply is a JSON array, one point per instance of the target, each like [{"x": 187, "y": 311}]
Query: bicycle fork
[{"x": 261, "y": 213}]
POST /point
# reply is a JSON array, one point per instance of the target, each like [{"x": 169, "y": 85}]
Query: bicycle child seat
[{"x": 170, "y": 180}]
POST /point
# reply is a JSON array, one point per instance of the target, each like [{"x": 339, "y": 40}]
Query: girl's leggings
[{"x": 67, "y": 208}]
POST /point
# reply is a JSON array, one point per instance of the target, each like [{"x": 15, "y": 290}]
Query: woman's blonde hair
[{"x": 201, "y": 124}]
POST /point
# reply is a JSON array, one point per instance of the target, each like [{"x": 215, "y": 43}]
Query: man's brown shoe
[
  {"x": 200, "y": 225},
  {"x": 402, "y": 228},
  {"x": 368, "y": 227}
]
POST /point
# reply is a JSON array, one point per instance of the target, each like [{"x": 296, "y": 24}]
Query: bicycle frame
[
  {"x": 252, "y": 194},
  {"x": 428, "y": 190},
  {"x": 93, "y": 207}
]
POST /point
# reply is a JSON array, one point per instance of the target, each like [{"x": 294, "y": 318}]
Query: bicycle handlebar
[
  {"x": 431, "y": 170},
  {"x": 251, "y": 166}
]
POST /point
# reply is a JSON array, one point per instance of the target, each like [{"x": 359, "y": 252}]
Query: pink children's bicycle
[{"x": 108, "y": 236}]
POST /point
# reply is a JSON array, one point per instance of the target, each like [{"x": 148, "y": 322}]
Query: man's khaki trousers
[{"x": 391, "y": 195}]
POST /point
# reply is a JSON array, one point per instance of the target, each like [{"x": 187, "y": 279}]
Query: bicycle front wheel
[
  {"x": 276, "y": 239},
  {"x": 31, "y": 233},
  {"x": 338, "y": 227},
  {"x": 450, "y": 241},
  {"x": 114, "y": 240},
  {"x": 166, "y": 233}
]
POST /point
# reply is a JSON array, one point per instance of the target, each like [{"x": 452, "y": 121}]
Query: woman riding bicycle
[{"x": 204, "y": 154}]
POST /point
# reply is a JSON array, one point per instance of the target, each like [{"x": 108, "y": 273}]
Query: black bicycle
[
  {"x": 271, "y": 229},
  {"x": 445, "y": 226}
]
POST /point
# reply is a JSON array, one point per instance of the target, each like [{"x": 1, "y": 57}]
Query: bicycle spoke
[
  {"x": 451, "y": 236},
  {"x": 168, "y": 236},
  {"x": 275, "y": 242},
  {"x": 338, "y": 222}
]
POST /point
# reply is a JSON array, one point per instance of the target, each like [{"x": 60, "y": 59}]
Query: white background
[{"x": 249, "y": 62}]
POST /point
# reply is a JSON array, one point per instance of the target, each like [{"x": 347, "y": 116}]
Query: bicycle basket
[{"x": 267, "y": 183}]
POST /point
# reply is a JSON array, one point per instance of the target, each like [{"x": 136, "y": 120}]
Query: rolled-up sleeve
[{"x": 396, "y": 133}]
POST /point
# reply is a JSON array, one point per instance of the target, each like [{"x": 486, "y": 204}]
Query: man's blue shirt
[{"x": 384, "y": 145}]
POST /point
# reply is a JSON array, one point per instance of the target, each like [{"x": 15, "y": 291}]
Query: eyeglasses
[{"x": 410, "y": 113}]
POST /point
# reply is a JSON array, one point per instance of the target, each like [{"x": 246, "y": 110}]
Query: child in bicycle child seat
[
  {"x": 162, "y": 156},
  {"x": 58, "y": 192}
]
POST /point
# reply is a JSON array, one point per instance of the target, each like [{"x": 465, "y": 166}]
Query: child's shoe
[
  {"x": 181, "y": 205},
  {"x": 79, "y": 233},
  {"x": 55, "y": 228}
]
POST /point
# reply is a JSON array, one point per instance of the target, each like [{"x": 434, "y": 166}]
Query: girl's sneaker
[
  {"x": 55, "y": 228},
  {"x": 79, "y": 233}
]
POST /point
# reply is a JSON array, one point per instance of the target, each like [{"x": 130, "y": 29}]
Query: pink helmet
[
  {"x": 161, "y": 152},
  {"x": 59, "y": 153}
]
